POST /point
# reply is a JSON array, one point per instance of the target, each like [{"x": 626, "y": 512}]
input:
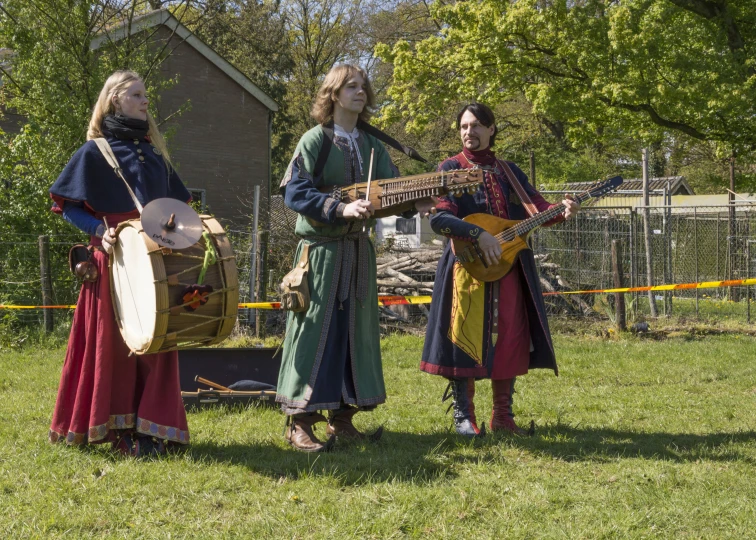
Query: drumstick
[
  {"x": 370, "y": 175},
  {"x": 211, "y": 383}
]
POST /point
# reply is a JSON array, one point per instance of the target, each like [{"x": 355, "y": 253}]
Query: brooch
[{"x": 157, "y": 150}]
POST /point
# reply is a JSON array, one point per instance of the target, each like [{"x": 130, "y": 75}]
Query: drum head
[{"x": 133, "y": 289}]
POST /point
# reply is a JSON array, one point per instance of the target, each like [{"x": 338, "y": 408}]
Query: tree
[{"x": 636, "y": 69}]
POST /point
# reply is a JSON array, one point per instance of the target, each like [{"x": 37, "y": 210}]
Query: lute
[
  {"x": 392, "y": 196},
  {"x": 513, "y": 234}
]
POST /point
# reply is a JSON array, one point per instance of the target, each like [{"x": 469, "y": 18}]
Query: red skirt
[
  {"x": 102, "y": 389},
  {"x": 512, "y": 353}
]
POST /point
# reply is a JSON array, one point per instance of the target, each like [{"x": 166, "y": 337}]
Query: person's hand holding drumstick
[{"x": 108, "y": 237}]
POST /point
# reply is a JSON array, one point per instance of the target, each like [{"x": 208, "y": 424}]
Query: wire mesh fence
[{"x": 686, "y": 245}]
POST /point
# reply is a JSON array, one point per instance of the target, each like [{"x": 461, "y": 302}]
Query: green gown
[{"x": 331, "y": 352}]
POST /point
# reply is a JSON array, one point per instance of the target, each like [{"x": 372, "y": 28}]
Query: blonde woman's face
[
  {"x": 352, "y": 97},
  {"x": 133, "y": 102}
]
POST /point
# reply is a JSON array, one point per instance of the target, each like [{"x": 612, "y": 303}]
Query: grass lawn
[{"x": 635, "y": 438}]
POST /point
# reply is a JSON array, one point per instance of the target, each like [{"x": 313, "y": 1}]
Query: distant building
[{"x": 630, "y": 192}]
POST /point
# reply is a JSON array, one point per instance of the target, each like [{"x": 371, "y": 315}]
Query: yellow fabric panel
[{"x": 468, "y": 303}]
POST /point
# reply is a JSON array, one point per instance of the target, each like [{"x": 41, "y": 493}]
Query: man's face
[
  {"x": 475, "y": 136},
  {"x": 353, "y": 95}
]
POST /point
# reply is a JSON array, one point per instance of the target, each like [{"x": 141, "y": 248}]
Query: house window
[
  {"x": 406, "y": 226},
  {"x": 198, "y": 197}
]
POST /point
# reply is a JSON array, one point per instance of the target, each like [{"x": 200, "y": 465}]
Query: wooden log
[
  {"x": 394, "y": 262},
  {"x": 400, "y": 276}
]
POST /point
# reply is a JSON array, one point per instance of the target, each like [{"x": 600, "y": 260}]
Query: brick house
[{"x": 221, "y": 143}]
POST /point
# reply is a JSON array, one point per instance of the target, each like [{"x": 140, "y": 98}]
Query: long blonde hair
[
  {"x": 115, "y": 86},
  {"x": 335, "y": 79}
]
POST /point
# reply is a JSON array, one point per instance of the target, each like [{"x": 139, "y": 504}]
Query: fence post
[
  {"x": 748, "y": 274},
  {"x": 619, "y": 298},
  {"x": 262, "y": 290},
  {"x": 695, "y": 249},
  {"x": 647, "y": 237},
  {"x": 46, "y": 279},
  {"x": 253, "y": 254},
  {"x": 731, "y": 228},
  {"x": 532, "y": 169},
  {"x": 633, "y": 261}
]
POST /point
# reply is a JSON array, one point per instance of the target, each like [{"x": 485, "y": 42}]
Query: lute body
[
  {"x": 513, "y": 235},
  {"x": 467, "y": 252}
]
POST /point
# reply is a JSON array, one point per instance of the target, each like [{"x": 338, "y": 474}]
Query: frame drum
[{"x": 147, "y": 284}]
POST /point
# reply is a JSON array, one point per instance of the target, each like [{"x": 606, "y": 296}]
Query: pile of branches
[
  {"x": 406, "y": 272},
  {"x": 552, "y": 280}
]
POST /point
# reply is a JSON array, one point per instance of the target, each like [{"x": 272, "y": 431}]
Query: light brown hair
[
  {"x": 337, "y": 77},
  {"x": 116, "y": 85}
]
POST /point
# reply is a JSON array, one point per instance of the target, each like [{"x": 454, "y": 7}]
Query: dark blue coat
[
  {"x": 440, "y": 355},
  {"x": 88, "y": 179}
]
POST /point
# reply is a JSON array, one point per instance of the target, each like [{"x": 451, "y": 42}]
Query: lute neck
[{"x": 527, "y": 225}]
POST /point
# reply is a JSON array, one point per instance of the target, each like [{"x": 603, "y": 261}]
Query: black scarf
[{"x": 122, "y": 127}]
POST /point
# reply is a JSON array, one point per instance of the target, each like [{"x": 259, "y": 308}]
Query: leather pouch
[
  {"x": 295, "y": 292},
  {"x": 80, "y": 263}
]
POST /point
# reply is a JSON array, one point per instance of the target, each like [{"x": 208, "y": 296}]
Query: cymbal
[{"x": 171, "y": 223}]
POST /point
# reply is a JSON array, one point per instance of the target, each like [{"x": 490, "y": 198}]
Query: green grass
[{"x": 634, "y": 439}]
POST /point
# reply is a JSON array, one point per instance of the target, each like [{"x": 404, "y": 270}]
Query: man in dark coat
[{"x": 476, "y": 329}]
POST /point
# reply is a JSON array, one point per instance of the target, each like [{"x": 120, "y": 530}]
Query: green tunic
[{"x": 331, "y": 352}]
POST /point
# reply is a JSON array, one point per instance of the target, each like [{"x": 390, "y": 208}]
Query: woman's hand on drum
[
  {"x": 357, "y": 210},
  {"x": 109, "y": 240}
]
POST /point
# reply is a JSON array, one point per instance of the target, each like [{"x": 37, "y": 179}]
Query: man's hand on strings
[
  {"x": 572, "y": 207},
  {"x": 426, "y": 206},
  {"x": 358, "y": 210},
  {"x": 490, "y": 248}
]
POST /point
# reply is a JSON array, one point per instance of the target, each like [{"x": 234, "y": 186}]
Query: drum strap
[{"x": 109, "y": 156}]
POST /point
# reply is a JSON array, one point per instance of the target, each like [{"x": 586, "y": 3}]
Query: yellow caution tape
[{"x": 414, "y": 300}]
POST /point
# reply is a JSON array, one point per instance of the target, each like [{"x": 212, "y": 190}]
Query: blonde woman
[
  {"x": 105, "y": 395},
  {"x": 331, "y": 353}
]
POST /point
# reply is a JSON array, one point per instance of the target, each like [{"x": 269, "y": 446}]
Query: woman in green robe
[{"x": 331, "y": 352}]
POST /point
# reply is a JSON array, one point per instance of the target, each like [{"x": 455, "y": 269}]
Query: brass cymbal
[{"x": 171, "y": 223}]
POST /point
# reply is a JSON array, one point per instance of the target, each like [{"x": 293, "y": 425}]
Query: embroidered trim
[
  {"x": 160, "y": 431},
  {"x": 95, "y": 433},
  {"x": 328, "y": 204}
]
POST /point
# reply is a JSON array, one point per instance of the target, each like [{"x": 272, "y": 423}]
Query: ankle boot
[
  {"x": 502, "y": 417},
  {"x": 340, "y": 425},
  {"x": 464, "y": 409},
  {"x": 299, "y": 433}
]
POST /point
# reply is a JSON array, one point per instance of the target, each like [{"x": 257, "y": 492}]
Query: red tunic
[{"x": 102, "y": 388}]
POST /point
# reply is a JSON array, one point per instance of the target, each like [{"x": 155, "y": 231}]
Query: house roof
[
  {"x": 165, "y": 18},
  {"x": 678, "y": 185}
]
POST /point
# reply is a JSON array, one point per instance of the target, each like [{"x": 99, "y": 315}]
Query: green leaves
[{"x": 645, "y": 66}]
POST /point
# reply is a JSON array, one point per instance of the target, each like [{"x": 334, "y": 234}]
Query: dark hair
[{"x": 484, "y": 115}]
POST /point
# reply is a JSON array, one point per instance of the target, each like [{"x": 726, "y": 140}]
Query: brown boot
[
  {"x": 502, "y": 417},
  {"x": 299, "y": 433},
  {"x": 340, "y": 425}
]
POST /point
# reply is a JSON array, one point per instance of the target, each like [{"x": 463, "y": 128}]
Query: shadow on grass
[
  {"x": 402, "y": 457},
  {"x": 568, "y": 443},
  {"x": 430, "y": 458}
]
